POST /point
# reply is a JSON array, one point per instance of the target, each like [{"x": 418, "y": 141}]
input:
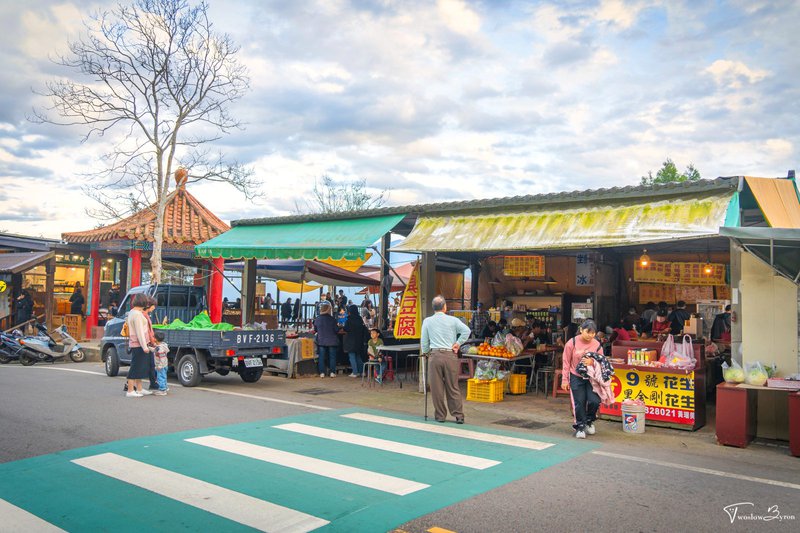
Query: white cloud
[
  {"x": 734, "y": 73},
  {"x": 620, "y": 13},
  {"x": 459, "y": 17}
]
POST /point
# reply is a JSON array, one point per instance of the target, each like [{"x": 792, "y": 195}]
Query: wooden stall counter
[{"x": 737, "y": 414}]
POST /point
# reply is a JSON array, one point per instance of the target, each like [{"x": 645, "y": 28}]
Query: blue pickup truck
[{"x": 194, "y": 353}]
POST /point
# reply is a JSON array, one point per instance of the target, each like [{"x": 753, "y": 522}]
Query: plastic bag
[
  {"x": 683, "y": 355},
  {"x": 486, "y": 369},
  {"x": 513, "y": 344},
  {"x": 499, "y": 339},
  {"x": 755, "y": 374},
  {"x": 733, "y": 373},
  {"x": 667, "y": 348}
]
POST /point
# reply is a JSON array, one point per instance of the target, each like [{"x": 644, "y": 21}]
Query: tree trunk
[{"x": 158, "y": 240}]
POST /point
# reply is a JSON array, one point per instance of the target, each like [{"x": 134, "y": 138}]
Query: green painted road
[{"x": 345, "y": 470}]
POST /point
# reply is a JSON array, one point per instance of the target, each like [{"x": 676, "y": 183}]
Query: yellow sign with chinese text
[
  {"x": 408, "y": 324},
  {"x": 679, "y": 273},
  {"x": 523, "y": 266}
]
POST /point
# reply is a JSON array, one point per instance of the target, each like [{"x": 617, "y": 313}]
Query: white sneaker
[
  {"x": 133, "y": 394},
  {"x": 145, "y": 392},
  {"x": 580, "y": 435},
  {"x": 590, "y": 429},
  {"x": 160, "y": 393},
  {"x": 354, "y": 375},
  {"x": 333, "y": 374},
  {"x": 322, "y": 374}
]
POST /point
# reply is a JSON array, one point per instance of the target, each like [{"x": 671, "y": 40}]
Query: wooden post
[
  {"x": 93, "y": 298},
  {"x": 215, "y": 290},
  {"x": 386, "y": 287},
  {"x": 50, "y": 273},
  {"x": 475, "y": 271},
  {"x": 248, "y": 291}
]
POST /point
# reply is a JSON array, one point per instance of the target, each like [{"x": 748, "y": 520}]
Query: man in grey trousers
[{"x": 442, "y": 335}]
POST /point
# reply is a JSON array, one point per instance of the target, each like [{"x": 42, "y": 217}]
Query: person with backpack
[{"x": 585, "y": 402}]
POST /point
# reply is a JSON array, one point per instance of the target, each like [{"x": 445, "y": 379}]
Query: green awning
[
  {"x": 777, "y": 247},
  {"x": 330, "y": 239},
  {"x": 590, "y": 226}
]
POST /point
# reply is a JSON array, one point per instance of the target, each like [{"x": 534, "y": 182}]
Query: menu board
[
  {"x": 655, "y": 292},
  {"x": 523, "y": 266},
  {"x": 679, "y": 273}
]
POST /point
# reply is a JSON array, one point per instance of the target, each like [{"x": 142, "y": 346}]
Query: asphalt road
[{"x": 616, "y": 485}]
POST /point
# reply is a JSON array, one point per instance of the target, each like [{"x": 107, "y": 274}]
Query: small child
[
  {"x": 161, "y": 361},
  {"x": 374, "y": 351}
]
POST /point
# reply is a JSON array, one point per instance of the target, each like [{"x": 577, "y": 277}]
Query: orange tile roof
[{"x": 186, "y": 221}]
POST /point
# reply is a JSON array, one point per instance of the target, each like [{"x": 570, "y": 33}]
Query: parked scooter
[
  {"x": 10, "y": 348},
  {"x": 43, "y": 348}
]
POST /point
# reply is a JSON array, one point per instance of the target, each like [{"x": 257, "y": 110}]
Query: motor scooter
[
  {"x": 43, "y": 348},
  {"x": 10, "y": 347}
]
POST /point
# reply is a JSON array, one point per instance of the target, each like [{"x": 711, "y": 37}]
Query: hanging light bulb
[
  {"x": 644, "y": 259},
  {"x": 708, "y": 268}
]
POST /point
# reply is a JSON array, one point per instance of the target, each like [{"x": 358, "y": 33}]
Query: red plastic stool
[{"x": 388, "y": 374}]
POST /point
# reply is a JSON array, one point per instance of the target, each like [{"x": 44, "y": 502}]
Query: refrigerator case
[{"x": 708, "y": 309}]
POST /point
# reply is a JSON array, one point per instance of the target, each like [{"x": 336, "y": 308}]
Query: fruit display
[{"x": 494, "y": 351}]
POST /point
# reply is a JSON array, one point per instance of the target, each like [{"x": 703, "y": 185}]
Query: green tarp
[
  {"x": 201, "y": 322},
  {"x": 330, "y": 239}
]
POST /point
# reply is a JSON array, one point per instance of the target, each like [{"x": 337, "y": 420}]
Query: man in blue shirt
[{"x": 442, "y": 336}]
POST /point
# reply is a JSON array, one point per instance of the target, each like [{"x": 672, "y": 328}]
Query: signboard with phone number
[{"x": 668, "y": 397}]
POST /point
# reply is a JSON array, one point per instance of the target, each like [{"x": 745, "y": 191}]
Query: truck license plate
[{"x": 251, "y": 363}]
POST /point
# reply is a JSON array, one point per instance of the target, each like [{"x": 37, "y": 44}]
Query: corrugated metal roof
[
  {"x": 510, "y": 203},
  {"x": 15, "y": 263}
]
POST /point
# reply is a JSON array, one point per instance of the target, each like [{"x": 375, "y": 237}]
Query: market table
[
  {"x": 527, "y": 354},
  {"x": 398, "y": 349}
]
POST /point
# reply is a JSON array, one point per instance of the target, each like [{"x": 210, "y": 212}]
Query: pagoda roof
[{"x": 186, "y": 221}]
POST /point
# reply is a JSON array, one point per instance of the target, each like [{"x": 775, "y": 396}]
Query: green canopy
[{"x": 330, "y": 239}]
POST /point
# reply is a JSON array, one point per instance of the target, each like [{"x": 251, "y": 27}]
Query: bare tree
[
  {"x": 330, "y": 196},
  {"x": 159, "y": 75}
]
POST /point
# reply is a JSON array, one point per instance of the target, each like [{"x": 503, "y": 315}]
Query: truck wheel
[
  {"x": 112, "y": 362},
  {"x": 188, "y": 371},
  {"x": 78, "y": 356},
  {"x": 251, "y": 375}
]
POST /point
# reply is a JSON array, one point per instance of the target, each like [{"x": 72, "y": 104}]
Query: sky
[{"x": 438, "y": 100}]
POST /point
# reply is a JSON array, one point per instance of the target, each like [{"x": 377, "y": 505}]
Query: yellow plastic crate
[
  {"x": 484, "y": 391},
  {"x": 517, "y": 384}
]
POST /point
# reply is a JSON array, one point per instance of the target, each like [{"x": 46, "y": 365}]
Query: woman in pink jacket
[{"x": 585, "y": 401}]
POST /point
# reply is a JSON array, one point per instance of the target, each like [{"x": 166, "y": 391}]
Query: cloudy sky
[{"x": 441, "y": 100}]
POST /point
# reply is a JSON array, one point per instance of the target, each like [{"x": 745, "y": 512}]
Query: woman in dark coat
[
  {"x": 355, "y": 338},
  {"x": 77, "y": 301},
  {"x": 327, "y": 339},
  {"x": 24, "y": 307}
]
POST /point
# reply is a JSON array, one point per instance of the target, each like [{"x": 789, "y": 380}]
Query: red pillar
[
  {"x": 215, "y": 290},
  {"x": 135, "y": 268},
  {"x": 93, "y": 306}
]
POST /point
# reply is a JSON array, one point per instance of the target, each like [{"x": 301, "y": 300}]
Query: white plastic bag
[
  {"x": 683, "y": 355},
  {"x": 733, "y": 373},
  {"x": 755, "y": 374},
  {"x": 513, "y": 344}
]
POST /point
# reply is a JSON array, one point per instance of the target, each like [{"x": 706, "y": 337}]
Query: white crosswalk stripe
[
  {"x": 19, "y": 520},
  {"x": 451, "y": 431},
  {"x": 235, "y": 506},
  {"x": 422, "y": 452},
  {"x": 312, "y": 465}
]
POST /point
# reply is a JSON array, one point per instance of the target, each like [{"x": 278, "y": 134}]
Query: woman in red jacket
[{"x": 585, "y": 401}]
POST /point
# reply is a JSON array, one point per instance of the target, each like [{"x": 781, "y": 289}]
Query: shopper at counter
[
  {"x": 355, "y": 340},
  {"x": 327, "y": 339},
  {"x": 76, "y": 300},
  {"x": 24, "y": 306},
  {"x": 679, "y": 317},
  {"x": 479, "y": 320},
  {"x": 585, "y": 401}
]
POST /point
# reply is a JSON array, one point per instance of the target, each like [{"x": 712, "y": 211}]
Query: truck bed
[{"x": 222, "y": 340}]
